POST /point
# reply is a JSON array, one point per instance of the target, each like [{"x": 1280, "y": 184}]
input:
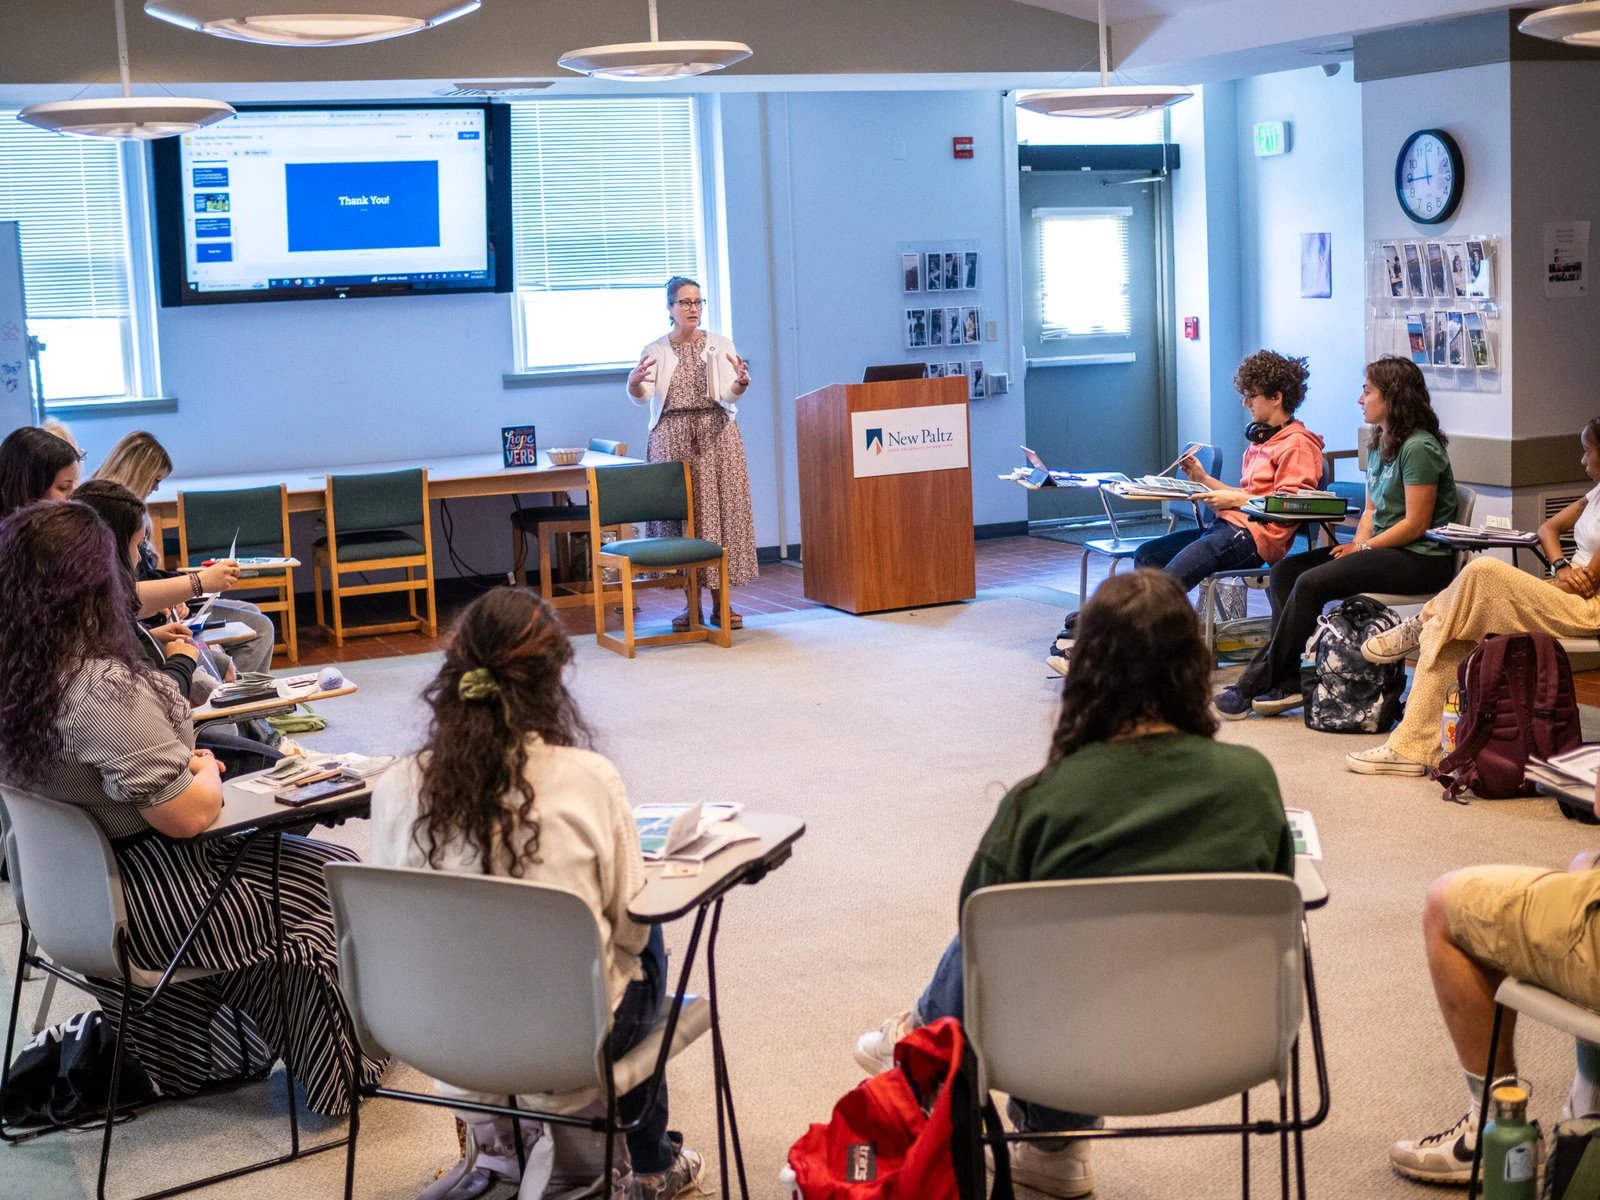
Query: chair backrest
[
  {"x": 627, "y": 495},
  {"x": 493, "y": 985},
  {"x": 210, "y": 521},
  {"x": 73, "y": 887},
  {"x": 381, "y": 501},
  {"x": 605, "y": 446},
  {"x": 1466, "y": 502},
  {"x": 1137, "y": 995}
]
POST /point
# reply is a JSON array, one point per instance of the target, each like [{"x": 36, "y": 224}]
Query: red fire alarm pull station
[
  {"x": 1191, "y": 328},
  {"x": 961, "y": 147}
]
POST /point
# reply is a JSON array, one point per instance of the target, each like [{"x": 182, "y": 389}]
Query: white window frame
[
  {"x": 1049, "y": 332},
  {"x": 706, "y": 116}
]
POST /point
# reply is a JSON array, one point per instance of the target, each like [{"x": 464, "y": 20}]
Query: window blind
[
  {"x": 1083, "y": 272},
  {"x": 67, "y": 194},
  {"x": 605, "y": 192}
]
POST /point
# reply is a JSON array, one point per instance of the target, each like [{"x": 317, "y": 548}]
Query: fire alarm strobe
[{"x": 961, "y": 147}]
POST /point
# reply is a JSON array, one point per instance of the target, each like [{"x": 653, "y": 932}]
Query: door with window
[{"x": 1092, "y": 328}]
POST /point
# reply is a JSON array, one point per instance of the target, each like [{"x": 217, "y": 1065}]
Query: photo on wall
[
  {"x": 952, "y": 271},
  {"x": 933, "y": 278},
  {"x": 1440, "y": 358},
  {"x": 969, "y": 327},
  {"x": 1417, "y": 337},
  {"x": 1478, "y": 341},
  {"x": 1455, "y": 264},
  {"x": 955, "y": 368},
  {"x": 1455, "y": 340},
  {"x": 936, "y": 370},
  {"x": 952, "y": 327},
  {"x": 911, "y": 267},
  {"x": 916, "y": 327},
  {"x": 1438, "y": 277},
  {"x": 975, "y": 379},
  {"x": 1316, "y": 266},
  {"x": 970, "y": 282},
  {"x": 1480, "y": 271},
  {"x": 1394, "y": 272},
  {"x": 935, "y": 328},
  {"x": 1416, "y": 277}
]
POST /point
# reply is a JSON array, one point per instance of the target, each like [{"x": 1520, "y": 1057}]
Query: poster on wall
[
  {"x": 1566, "y": 247},
  {"x": 1316, "y": 266}
]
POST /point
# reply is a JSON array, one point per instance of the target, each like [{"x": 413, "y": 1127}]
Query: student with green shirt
[
  {"x": 1410, "y": 490},
  {"x": 1134, "y": 785}
]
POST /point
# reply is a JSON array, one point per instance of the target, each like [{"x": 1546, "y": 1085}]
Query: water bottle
[
  {"x": 1510, "y": 1147},
  {"x": 786, "y": 1180},
  {"x": 1451, "y": 718}
]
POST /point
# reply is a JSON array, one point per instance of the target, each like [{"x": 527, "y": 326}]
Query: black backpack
[{"x": 1344, "y": 693}]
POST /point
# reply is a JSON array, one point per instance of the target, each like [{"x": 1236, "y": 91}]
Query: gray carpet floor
[{"x": 893, "y": 737}]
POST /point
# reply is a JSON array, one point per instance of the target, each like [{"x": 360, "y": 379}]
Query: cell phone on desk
[
  {"x": 294, "y": 797},
  {"x": 230, "y": 697}
]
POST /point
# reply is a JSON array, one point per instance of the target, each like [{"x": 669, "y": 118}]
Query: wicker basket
[{"x": 566, "y": 457}]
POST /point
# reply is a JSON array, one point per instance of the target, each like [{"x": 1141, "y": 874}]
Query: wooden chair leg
[
  {"x": 597, "y": 589},
  {"x": 625, "y": 574},
  {"x": 724, "y": 606},
  {"x": 338, "y": 604},
  {"x": 432, "y": 627},
  {"x": 547, "y": 587},
  {"x": 411, "y": 597},
  {"x": 316, "y": 583},
  {"x": 691, "y": 596}
]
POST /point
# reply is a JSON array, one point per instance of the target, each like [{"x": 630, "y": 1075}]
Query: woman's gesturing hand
[
  {"x": 741, "y": 371},
  {"x": 644, "y": 373}
]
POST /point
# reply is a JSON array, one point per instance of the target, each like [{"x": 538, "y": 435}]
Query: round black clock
[{"x": 1429, "y": 176}]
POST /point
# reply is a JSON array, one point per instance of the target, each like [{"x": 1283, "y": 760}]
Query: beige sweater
[{"x": 588, "y": 844}]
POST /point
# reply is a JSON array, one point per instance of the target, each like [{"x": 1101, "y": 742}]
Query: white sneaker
[
  {"x": 1065, "y": 1172},
  {"x": 1058, "y": 663},
  {"x": 875, "y": 1050},
  {"x": 1392, "y": 645},
  {"x": 1440, "y": 1157},
  {"x": 1381, "y": 760}
]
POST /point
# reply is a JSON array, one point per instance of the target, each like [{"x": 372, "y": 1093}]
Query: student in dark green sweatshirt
[{"x": 1134, "y": 785}]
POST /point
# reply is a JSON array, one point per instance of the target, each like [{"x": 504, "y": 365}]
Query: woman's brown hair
[
  {"x": 500, "y": 682},
  {"x": 138, "y": 462},
  {"x": 1407, "y": 407}
]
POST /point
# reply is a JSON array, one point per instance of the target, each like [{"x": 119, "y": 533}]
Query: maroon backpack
[{"x": 1516, "y": 701}]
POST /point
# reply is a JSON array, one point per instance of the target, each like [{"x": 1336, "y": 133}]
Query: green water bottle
[{"x": 1510, "y": 1147}]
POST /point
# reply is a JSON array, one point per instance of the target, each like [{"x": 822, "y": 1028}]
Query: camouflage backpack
[{"x": 1344, "y": 693}]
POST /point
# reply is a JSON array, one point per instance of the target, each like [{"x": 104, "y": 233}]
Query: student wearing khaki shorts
[{"x": 1480, "y": 925}]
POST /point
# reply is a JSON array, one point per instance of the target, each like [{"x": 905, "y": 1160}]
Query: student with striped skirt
[{"x": 87, "y": 719}]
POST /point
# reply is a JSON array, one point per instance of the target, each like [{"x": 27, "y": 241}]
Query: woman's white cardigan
[{"x": 720, "y": 374}]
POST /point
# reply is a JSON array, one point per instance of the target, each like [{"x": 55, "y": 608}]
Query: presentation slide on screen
[{"x": 319, "y": 198}]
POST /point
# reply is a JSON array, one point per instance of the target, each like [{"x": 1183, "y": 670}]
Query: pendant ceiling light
[
  {"x": 1575, "y": 24},
  {"x": 346, "y": 23},
  {"x": 129, "y": 117},
  {"x": 1103, "y": 101},
  {"x": 654, "y": 59}
]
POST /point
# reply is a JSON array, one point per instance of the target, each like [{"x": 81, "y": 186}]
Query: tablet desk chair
[
  {"x": 255, "y": 521},
  {"x": 362, "y": 512},
  {"x": 1116, "y": 547},
  {"x": 629, "y": 495},
  {"x": 1410, "y": 606},
  {"x": 547, "y": 523}
]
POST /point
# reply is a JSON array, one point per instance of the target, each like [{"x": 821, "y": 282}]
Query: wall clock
[{"x": 1429, "y": 176}]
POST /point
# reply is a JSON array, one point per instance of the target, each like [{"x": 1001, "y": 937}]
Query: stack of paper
[
  {"x": 688, "y": 832},
  {"x": 1504, "y": 537},
  {"x": 1574, "y": 771}
]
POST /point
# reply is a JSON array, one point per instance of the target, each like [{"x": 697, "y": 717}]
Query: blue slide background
[{"x": 317, "y": 221}]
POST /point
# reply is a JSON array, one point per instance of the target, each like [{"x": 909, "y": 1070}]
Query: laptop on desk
[{"x": 893, "y": 371}]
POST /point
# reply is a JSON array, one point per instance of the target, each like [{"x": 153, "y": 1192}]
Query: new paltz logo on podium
[{"x": 902, "y": 441}]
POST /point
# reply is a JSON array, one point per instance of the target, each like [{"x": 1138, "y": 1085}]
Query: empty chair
[
  {"x": 252, "y": 523},
  {"x": 548, "y": 522},
  {"x": 367, "y": 517}
]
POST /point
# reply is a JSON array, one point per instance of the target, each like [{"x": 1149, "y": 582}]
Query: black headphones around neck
[{"x": 1258, "y": 432}]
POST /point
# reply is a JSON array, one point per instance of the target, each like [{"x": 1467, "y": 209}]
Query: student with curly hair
[
  {"x": 504, "y": 785},
  {"x": 1410, "y": 490},
  {"x": 1134, "y": 785}
]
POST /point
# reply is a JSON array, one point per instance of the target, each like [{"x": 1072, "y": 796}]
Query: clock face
[{"x": 1428, "y": 176}]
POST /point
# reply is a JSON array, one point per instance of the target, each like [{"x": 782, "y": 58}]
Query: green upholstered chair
[
  {"x": 255, "y": 523},
  {"x": 629, "y": 495},
  {"x": 367, "y": 517},
  {"x": 547, "y": 524}
]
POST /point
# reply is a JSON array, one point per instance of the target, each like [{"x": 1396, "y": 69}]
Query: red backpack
[
  {"x": 913, "y": 1133},
  {"x": 1516, "y": 701}
]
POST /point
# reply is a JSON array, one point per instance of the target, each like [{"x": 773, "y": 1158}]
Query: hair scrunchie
[{"x": 477, "y": 684}]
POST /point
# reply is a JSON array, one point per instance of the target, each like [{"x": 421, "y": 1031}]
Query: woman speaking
[{"x": 692, "y": 379}]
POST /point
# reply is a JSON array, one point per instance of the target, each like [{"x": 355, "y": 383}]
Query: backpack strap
[
  {"x": 974, "y": 1121},
  {"x": 1488, "y": 656},
  {"x": 1549, "y": 656}
]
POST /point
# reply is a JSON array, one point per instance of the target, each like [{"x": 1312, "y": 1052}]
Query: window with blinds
[
  {"x": 68, "y": 195},
  {"x": 1083, "y": 272},
  {"x": 607, "y": 205}
]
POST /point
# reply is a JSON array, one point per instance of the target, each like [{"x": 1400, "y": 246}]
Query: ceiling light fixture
[
  {"x": 127, "y": 117},
  {"x": 1575, "y": 24},
  {"x": 354, "y": 23},
  {"x": 1103, "y": 101},
  {"x": 654, "y": 59}
]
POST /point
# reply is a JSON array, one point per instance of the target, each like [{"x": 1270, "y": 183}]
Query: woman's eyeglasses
[{"x": 690, "y": 303}]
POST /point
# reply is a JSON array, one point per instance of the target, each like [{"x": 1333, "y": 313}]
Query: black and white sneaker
[
  {"x": 1060, "y": 653},
  {"x": 1444, "y": 1157}
]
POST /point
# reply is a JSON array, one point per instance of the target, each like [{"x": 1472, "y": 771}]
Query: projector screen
[{"x": 304, "y": 203}]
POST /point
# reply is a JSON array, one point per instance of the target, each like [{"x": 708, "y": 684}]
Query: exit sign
[{"x": 1272, "y": 137}]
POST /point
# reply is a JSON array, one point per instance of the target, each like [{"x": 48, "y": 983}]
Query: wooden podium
[{"x": 874, "y": 541}]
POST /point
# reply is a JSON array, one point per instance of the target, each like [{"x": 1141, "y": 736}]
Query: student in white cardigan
[{"x": 504, "y": 786}]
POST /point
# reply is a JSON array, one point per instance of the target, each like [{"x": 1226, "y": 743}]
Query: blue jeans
[
  {"x": 648, "y": 1145},
  {"x": 943, "y": 998},
  {"x": 1190, "y": 555}
]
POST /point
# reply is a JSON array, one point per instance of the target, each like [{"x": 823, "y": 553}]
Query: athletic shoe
[
  {"x": 682, "y": 1176},
  {"x": 1060, "y": 653},
  {"x": 875, "y": 1050},
  {"x": 1231, "y": 704},
  {"x": 1276, "y": 702},
  {"x": 1065, "y": 1172},
  {"x": 1440, "y": 1157},
  {"x": 1381, "y": 760},
  {"x": 1392, "y": 645}
]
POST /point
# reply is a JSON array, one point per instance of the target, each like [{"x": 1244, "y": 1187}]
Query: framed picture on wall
[
  {"x": 955, "y": 368},
  {"x": 1417, "y": 338},
  {"x": 1480, "y": 271},
  {"x": 970, "y": 335},
  {"x": 911, "y": 267},
  {"x": 933, "y": 277},
  {"x": 970, "y": 282},
  {"x": 1455, "y": 340},
  {"x": 1316, "y": 266},
  {"x": 1439, "y": 350},
  {"x": 1416, "y": 276},
  {"x": 916, "y": 327},
  {"x": 935, "y": 327},
  {"x": 975, "y": 379},
  {"x": 952, "y": 271},
  {"x": 952, "y": 327},
  {"x": 1455, "y": 267},
  {"x": 1394, "y": 272},
  {"x": 1478, "y": 340},
  {"x": 935, "y": 370},
  {"x": 1438, "y": 277}
]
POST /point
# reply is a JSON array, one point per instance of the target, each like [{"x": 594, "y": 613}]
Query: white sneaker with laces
[
  {"x": 1444, "y": 1157},
  {"x": 875, "y": 1049},
  {"x": 1065, "y": 1172},
  {"x": 1381, "y": 760},
  {"x": 1392, "y": 645}
]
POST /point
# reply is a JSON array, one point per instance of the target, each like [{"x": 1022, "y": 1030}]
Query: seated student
[
  {"x": 85, "y": 719},
  {"x": 1134, "y": 785},
  {"x": 1410, "y": 490},
  {"x": 1481, "y": 924},
  {"x": 503, "y": 786},
  {"x": 36, "y": 465},
  {"x": 1489, "y": 596}
]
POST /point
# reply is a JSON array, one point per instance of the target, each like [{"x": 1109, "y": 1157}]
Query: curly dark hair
[
  {"x": 1269, "y": 374},
  {"x": 30, "y": 460},
  {"x": 476, "y": 755},
  {"x": 1139, "y": 656},
  {"x": 1407, "y": 407},
  {"x": 69, "y": 599}
]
